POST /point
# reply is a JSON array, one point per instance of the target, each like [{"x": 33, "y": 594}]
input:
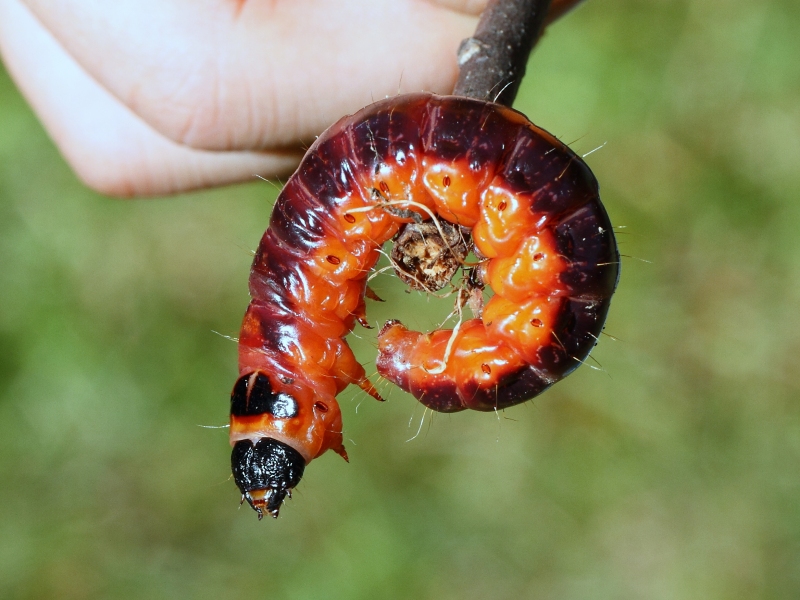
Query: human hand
[{"x": 154, "y": 97}]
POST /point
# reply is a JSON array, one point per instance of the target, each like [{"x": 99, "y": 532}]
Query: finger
[
  {"x": 254, "y": 74},
  {"x": 109, "y": 147}
]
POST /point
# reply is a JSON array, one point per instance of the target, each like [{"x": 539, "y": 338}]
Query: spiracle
[{"x": 443, "y": 176}]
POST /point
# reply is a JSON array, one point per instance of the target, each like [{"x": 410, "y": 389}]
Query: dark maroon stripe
[
  {"x": 575, "y": 186},
  {"x": 451, "y": 127},
  {"x": 275, "y": 273},
  {"x": 575, "y": 333},
  {"x": 441, "y": 396},
  {"x": 279, "y": 328},
  {"x": 384, "y": 130},
  {"x": 510, "y": 390},
  {"x": 302, "y": 224},
  {"x": 586, "y": 240},
  {"x": 404, "y": 129},
  {"x": 320, "y": 171},
  {"x": 492, "y": 138},
  {"x": 531, "y": 163},
  {"x": 370, "y": 143},
  {"x": 555, "y": 178}
]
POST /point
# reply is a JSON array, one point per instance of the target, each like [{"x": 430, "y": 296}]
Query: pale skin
[{"x": 152, "y": 97}]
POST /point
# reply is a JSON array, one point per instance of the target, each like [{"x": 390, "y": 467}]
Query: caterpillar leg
[
  {"x": 348, "y": 370},
  {"x": 366, "y": 385}
]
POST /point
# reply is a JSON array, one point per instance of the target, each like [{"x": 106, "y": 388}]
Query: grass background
[{"x": 673, "y": 473}]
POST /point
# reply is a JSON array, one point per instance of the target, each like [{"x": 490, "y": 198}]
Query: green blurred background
[{"x": 671, "y": 473}]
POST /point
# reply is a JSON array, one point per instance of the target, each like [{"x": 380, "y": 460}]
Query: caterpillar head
[
  {"x": 278, "y": 425},
  {"x": 265, "y": 468},
  {"x": 266, "y": 472}
]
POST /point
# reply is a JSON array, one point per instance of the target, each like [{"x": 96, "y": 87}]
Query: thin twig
[{"x": 492, "y": 62}]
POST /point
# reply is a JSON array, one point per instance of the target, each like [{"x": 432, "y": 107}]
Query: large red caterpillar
[{"x": 543, "y": 238}]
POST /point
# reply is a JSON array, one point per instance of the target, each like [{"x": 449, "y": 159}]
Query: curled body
[{"x": 544, "y": 241}]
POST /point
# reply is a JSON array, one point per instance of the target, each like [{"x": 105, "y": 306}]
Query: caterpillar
[{"x": 477, "y": 175}]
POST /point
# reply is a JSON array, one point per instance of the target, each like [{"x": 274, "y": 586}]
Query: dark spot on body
[{"x": 252, "y": 395}]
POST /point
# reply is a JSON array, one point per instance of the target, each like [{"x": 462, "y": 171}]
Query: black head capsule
[{"x": 266, "y": 472}]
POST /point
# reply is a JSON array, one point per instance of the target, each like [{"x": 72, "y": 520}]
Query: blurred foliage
[{"x": 670, "y": 473}]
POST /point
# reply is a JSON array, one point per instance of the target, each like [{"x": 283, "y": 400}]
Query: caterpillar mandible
[{"x": 546, "y": 249}]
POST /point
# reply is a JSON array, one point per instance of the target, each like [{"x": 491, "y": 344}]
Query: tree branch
[{"x": 492, "y": 62}]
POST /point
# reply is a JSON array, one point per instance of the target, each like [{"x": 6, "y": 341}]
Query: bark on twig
[{"x": 492, "y": 62}]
